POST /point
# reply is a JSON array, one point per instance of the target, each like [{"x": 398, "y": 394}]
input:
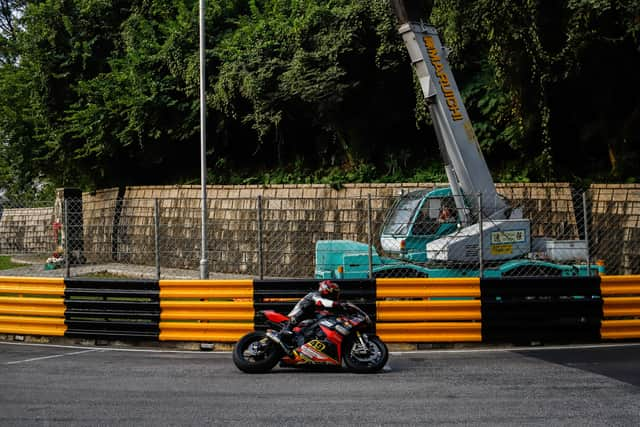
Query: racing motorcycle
[{"x": 327, "y": 340}]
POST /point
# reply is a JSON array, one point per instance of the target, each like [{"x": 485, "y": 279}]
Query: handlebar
[{"x": 358, "y": 310}]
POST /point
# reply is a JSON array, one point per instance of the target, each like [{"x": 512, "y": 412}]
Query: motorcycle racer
[{"x": 326, "y": 297}]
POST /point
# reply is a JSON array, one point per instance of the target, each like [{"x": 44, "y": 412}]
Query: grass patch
[{"x": 6, "y": 263}]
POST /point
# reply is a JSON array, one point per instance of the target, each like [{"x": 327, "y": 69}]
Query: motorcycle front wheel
[
  {"x": 367, "y": 358},
  {"x": 255, "y": 353}
]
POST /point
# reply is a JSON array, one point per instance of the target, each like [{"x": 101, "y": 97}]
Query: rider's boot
[
  {"x": 277, "y": 337},
  {"x": 287, "y": 335}
]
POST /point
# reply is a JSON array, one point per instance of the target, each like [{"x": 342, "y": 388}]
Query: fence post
[
  {"x": 585, "y": 221},
  {"x": 260, "y": 254},
  {"x": 481, "y": 242},
  {"x": 67, "y": 253},
  {"x": 156, "y": 223},
  {"x": 370, "y": 236}
]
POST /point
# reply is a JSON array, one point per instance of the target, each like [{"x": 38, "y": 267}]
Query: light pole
[{"x": 204, "y": 263}]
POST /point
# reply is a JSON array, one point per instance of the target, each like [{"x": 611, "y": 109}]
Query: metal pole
[
  {"x": 480, "y": 249},
  {"x": 260, "y": 253},
  {"x": 204, "y": 263},
  {"x": 585, "y": 221},
  {"x": 370, "y": 237},
  {"x": 156, "y": 223},
  {"x": 67, "y": 254}
]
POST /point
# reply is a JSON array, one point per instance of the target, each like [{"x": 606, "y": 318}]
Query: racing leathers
[{"x": 305, "y": 309}]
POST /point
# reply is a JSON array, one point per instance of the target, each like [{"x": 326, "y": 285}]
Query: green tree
[
  {"x": 546, "y": 59},
  {"x": 324, "y": 83},
  {"x": 63, "y": 44},
  {"x": 137, "y": 119},
  {"x": 19, "y": 176}
]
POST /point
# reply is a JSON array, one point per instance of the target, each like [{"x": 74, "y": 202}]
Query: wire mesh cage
[{"x": 314, "y": 231}]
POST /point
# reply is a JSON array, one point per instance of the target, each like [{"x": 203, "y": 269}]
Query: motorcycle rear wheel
[
  {"x": 255, "y": 353},
  {"x": 365, "y": 360}
]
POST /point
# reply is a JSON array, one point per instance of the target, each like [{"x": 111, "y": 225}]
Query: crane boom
[{"x": 466, "y": 168}]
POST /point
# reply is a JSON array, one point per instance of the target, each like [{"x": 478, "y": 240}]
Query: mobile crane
[{"x": 466, "y": 229}]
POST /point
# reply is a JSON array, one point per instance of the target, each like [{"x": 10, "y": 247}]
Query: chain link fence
[{"x": 407, "y": 232}]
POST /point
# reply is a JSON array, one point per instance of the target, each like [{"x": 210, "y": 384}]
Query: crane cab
[{"x": 416, "y": 218}]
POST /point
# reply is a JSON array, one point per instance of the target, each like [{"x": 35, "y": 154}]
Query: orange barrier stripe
[
  {"x": 193, "y": 331},
  {"x": 621, "y": 306},
  {"x": 430, "y": 332},
  {"x": 32, "y": 285},
  {"x": 206, "y": 288},
  {"x": 620, "y": 329},
  {"x": 32, "y": 325},
  {"x": 206, "y": 310},
  {"x": 421, "y": 288},
  {"x": 32, "y": 280},
  {"x": 388, "y": 311},
  {"x": 620, "y": 285},
  {"x": 32, "y": 310},
  {"x": 53, "y": 302},
  {"x": 54, "y": 289}
]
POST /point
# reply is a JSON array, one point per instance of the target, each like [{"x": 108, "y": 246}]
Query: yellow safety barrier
[
  {"x": 32, "y": 286},
  {"x": 53, "y": 307},
  {"x": 32, "y": 325},
  {"x": 205, "y": 289},
  {"x": 430, "y": 332},
  {"x": 193, "y": 331},
  {"x": 428, "y": 310},
  {"x": 399, "y": 311},
  {"x": 621, "y": 307},
  {"x": 426, "y": 288},
  {"x": 620, "y": 285},
  {"x": 206, "y": 310},
  {"x": 620, "y": 329},
  {"x": 32, "y": 306}
]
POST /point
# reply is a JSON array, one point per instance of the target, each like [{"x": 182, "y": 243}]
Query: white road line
[
  {"x": 506, "y": 349},
  {"x": 133, "y": 350},
  {"x": 395, "y": 353},
  {"x": 53, "y": 356}
]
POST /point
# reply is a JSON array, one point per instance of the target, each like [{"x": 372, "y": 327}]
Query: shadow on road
[{"x": 620, "y": 363}]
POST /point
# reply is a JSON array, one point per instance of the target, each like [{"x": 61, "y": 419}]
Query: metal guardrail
[
  {"x": 430, "y": 332},
  {"x": 429, "y": 310},
  {"x": 411, "y": 311},
  {"x": 406, "y": 310},
  {"x": 206, "y": 310},
  {"x": 621, "y": 308},
  {"x": 426, "y": 288},
  {"x": 32, "y": 306}
]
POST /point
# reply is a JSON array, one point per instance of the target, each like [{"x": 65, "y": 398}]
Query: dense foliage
[{"x": 97, "y": 93}]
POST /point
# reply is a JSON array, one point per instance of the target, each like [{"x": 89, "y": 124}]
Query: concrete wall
[
  {"x": 616, "y": 226},
  {"x": 27, "y": 230}
]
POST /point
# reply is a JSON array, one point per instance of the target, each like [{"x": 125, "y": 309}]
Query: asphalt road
[{"x": 86, "y": 386}]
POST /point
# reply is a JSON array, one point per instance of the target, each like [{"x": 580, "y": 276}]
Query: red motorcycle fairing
[
  {"x": 319, "y": 351},
  {"x": 335, "y": 338},
  {"x": 274, "y": 316},
  {"x": 311, "y": 352}
]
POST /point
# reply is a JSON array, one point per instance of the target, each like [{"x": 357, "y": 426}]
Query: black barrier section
[
  {"x": 268, "y": 295},
  {"x": 112, "y": 309},
  {"x": 541, "y": 309}
]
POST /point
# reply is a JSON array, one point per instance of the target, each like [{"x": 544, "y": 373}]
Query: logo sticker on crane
[
  {"x": 509, "y": 236},
  {"x": 445, "y": 85}
]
